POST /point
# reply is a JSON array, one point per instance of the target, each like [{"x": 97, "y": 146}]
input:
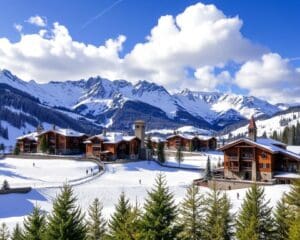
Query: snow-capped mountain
[{"x": 116, "y": 104}]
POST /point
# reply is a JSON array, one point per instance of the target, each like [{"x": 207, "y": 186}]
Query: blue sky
[{"x": 271, "y": 28}]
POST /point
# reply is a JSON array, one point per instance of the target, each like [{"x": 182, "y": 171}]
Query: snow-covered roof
[
  {"x": 183, "y": 135},
  {"x": 295, "y": 149},
  {"x": 32, "y": 136},
  {"x": 158, "y": 139},
  {"x": 204, "y": 137},
  {"x": 65, "y": 132},
  {"x": 190, "y": 137},
  {"x": 265, "y": 143},
  {"x": 112, "y": 137}
]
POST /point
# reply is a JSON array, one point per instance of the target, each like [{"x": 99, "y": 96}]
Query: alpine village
[{"x": 206, "y": 148}]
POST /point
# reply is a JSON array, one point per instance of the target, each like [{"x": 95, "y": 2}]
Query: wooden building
[
  {"x": 259, "y": 159},
  {"x": 191, "y": 142},
  {"x": 154, "y": 141},
  {"x": 112, "y": 146},
  {"x": 62, "y": 141},
  {"x": 28, "y": 143}
]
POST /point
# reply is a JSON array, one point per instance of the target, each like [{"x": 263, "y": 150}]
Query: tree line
[
  {"x": 198, "y": 217},
  {"x": 289, "y": 135}
]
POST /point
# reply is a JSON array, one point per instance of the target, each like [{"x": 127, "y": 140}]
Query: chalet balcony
[
  {"x": 233, "y": 158},
  {"x": 246, "y": 168},
  {"x": 247, "y": 158}
]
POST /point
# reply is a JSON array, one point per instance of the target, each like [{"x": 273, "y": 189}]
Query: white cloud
[
  {"x": 208, "y": 80},
  {"x": 201, "y": 35},
  {"x": 37, "y": 20},
  {"x": 201, "y": 39},
  {"x": 18, "y": 27},
  {"x": 271, "y": 78}
]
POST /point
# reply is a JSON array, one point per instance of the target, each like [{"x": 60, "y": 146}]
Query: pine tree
[
  {"x": 149, "y": 144},
  {"x": 254, "y": 220},
  {"x": 4, "y": 233},
  {"x": 179, "y": 155},
  {"x": 282, "y": 216},
  {"x": 96, "y": 223},
  {"x": 285, "y": 135},
  {"x": 34, "y": 225},
  {"x": 294, "y": 232},
  {"x": 17, "y": 233},
  {"x": 218, "y": 221},
  {"x": 121, "y": 225},
  {"x": 275, "y": 135},
  {"x": 161, "y": 152},
  {"x": 192, "y": 215},
  {"x": 44, "y": 145},
  {"x": 158, "y": 221},
  {"x": 293, "y": 197},
  {"x": 208, "y": 173},
  {"x": 66, "y": 221},
  {"x": 17, "y": 150}
]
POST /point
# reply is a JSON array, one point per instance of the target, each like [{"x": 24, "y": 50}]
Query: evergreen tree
[
  {"x": 208, "y": 173},
  {"x": 191, "y": 218},
  {"x": 275, "y": 135},
  {"x": 254, "y": 220},
  {"x": 96, "y": 223},
  {"x": 158, "y": 221},
  {"x": 179, "y": 155},
  {"x": 161, "y": 152},
  {"x": 66, "y": 220},
  {"x": 2, "y": 147},
  {"x": 17, "y": 233},
  {"x": 282, "y": 216},
  {"x": 294, "y": 233},
  {"x": 285, "y": 135},
  {"x": 149, "y": 144},
  {"x": 121, "y": 225},
  {"x": 218, "y": 221},
  {"x": 17, "y": 150},
  {"x": 44, "y": 145},
  {"x": 293, "y": 197},
  {"x": 5, "y": 185},
  {"x": 264, "y": 134},
  {"x": 35, "y": 225},
  {"x": 4, "y": 233}
]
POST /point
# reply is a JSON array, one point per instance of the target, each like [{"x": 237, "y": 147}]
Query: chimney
[
  {"x": 139, "y": 130},
  {"x": 252, "y": 130}
]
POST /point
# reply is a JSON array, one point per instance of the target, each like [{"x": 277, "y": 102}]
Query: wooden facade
[
  {"x": 191, "y": 143},
  {"x": 124, "y": 148},
  {"x": 59, "y": 143},
  {"x": 248, "y": 160},
  {"x": 27, "y": 145}
]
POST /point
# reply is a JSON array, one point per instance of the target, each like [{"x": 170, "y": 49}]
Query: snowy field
[
  {"x": 132, "y": 178},
  {"x": 43, "y": 173},
  {"x": 197, "y": 161}
]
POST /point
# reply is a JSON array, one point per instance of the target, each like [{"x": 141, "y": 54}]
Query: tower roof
[{"x": 252, "y": 123}]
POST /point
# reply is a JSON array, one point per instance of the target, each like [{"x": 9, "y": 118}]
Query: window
[{"x": 263, "y": 155}]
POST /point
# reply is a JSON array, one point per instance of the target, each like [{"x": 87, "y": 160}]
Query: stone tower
[
  {"x": 252, "y": 129},
  {"x": 139, "y": 131}
]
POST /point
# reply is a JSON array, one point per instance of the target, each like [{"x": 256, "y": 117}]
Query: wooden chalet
[
  {"x": 112, "y": 146},
  {"x": 62, "y": 141},
  {"x": 191, "y": 142},
  {"x": 259, "y": 159},
  {"x": 28, "y": 143},
  {"x": 155, "y": 140}
]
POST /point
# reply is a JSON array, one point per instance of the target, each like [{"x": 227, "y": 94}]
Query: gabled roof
[
  {"x": 112, "y": 137},
  {"x": 31, "y": 136},
  {"x": 266, "y": 144},
  {"x": 65, "y": 132},
  {"x": 157, "y": 139},
  {"x": 191, "y": 137}
]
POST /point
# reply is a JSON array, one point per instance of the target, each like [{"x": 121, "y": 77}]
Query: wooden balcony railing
[
  {"x": 234, "y": 168},
  {"x": 233, "y": 158}
]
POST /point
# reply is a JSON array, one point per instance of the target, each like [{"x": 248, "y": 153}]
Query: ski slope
[{"x": 135, "y": 179}]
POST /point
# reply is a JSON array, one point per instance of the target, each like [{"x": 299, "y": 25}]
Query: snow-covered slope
[
  {"x": 100, "y": 98},
  {"x": 268, "y": 126}
]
